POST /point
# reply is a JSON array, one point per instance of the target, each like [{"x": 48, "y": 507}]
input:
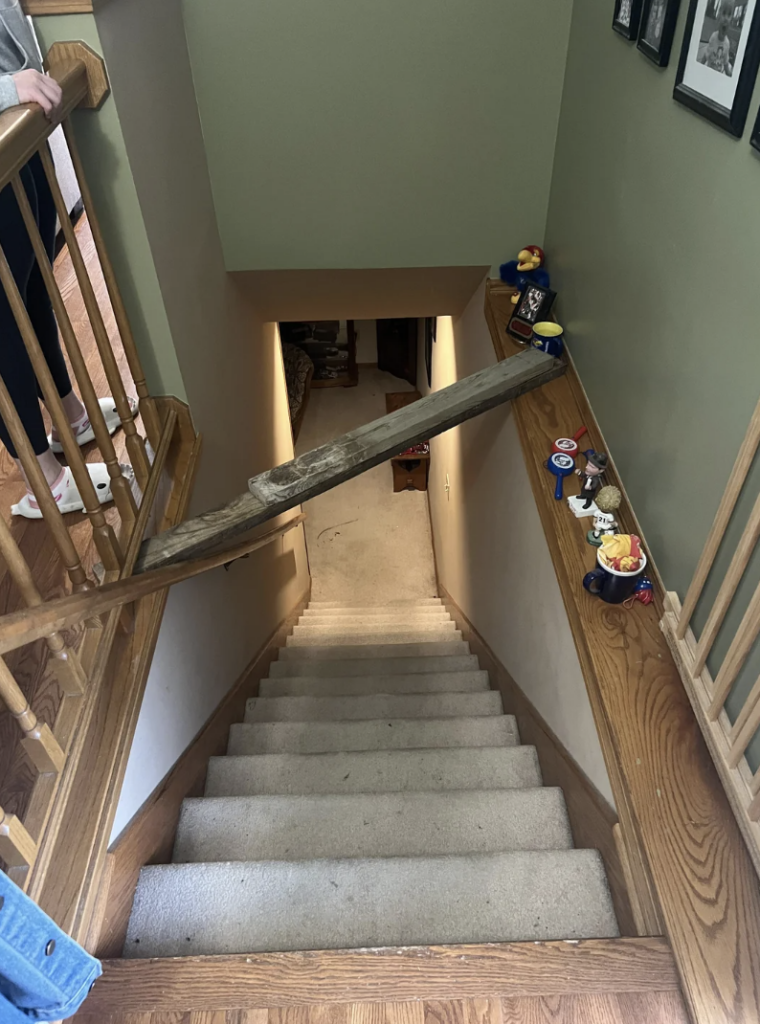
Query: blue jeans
[{"x": 44, "y": 975}]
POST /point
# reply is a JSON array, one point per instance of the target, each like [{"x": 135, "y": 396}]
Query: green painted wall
[
  {"x": 654, "y": 239},
  {"x": 358, "y": 133},
  {"x": 101, "y": 143}
]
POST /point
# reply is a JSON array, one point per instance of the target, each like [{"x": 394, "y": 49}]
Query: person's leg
[
  {"x": 15, "y": 367},
  {"x": 38, "y": 303}
]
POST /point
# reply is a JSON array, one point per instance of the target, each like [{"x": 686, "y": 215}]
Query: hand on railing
[{"x": 34, "y": 87}]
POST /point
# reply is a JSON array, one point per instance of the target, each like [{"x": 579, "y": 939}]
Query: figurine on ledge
[
  {"x": 527, "y": 268},
  {"x": 591, "y": 476},
  {"x": 607, "y": 503}
]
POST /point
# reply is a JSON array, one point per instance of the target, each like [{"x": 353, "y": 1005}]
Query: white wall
[{"x": 491, "y": 552}]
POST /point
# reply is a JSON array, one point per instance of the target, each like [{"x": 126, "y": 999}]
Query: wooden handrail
[
  {"x": 24, "y": 129},
  {"x": 25, "y": 626}
]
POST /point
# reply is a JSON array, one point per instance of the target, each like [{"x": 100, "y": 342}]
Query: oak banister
[
  {"x": 66, "y": 664},
  {"x": 135, "y": 443},
  {"x": 104, "y": 536},
  {"x": 38, "y": 742},
  {"x": 47, "y": 503},
  {"x": 23, "y": 627},
  {"x": 122, "y": 492},
  {"x": 17, "y": 848},
  {"x": 148, "y": 409}
]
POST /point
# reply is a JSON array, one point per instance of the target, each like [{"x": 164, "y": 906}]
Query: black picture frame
[
  {"x": 754, "y": 140},
  {"x": 658, "y": 53},
  {"x": 523, "y": 319},
  {"x": 628, "y": 31},
  {"x": 731, "y": 120}
]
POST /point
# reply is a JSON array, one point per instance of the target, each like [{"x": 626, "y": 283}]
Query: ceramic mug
[
  {"x": 611, "y": 585},
  {"x": 548, "y": 337}
]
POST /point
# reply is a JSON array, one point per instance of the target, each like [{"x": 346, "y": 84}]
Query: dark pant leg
[
  {"x": 15, "y": 367},
  {"x": 38, "y": 303}
]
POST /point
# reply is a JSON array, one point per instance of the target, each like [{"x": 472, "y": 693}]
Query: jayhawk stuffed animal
[{"x": 529, "y": 266}]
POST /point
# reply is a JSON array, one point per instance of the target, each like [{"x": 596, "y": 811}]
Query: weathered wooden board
[{"x": 285, "y": 486}]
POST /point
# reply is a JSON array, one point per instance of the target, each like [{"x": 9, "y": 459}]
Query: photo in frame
[
  {"x": 627, "y": 18},
  {"x": 658, "y": 27},
  {"x": 719, "y": 60}
]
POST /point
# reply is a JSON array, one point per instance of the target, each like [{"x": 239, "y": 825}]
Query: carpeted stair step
[
  {"x": 206, "y": 909},
  {"x": 315, "y": 827},
  {"x": 430, "y": 682},
  {"x": 292, "y": 667},
  {"x": 378, "y": 705},
  {"x": 384, "y": 771},
  {"x": 419, "y": 602},
  {"x": 381, "y": 734},
  {"x": 320, "y": 637},
  {"x": 362, "y": 627},
  {"x": 424, "y": 649},
  {"x": 410, "y": 638},
  {"x": 338, "y": 617}
]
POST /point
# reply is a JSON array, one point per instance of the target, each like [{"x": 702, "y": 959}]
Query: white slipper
[
  {"x": 66, "y": 493},
  {"x": 110, "y": 415}
]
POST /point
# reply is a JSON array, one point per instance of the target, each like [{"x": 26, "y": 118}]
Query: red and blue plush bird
[{"x": 528, "y": 267}]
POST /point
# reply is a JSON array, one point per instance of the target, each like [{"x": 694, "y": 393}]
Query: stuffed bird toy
[{"x": 529, "y": 266}]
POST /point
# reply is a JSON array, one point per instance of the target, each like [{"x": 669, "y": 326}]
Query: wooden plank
[
  {"x": 380, "y": 975},
  {"x": 314, "y": 472},
  {"x": 661, "y": 773},
  {"x": 25, "y": 626},
  {"x": 36, "y": 8}
]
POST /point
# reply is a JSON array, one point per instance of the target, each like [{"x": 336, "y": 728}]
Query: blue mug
[
  {"x": 548, "y": 337},
  {"x": 611, "y": 585}
]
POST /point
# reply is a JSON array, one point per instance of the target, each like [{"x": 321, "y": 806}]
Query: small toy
[
  {"x": 607, "y": 503},
  {"x": 533, "y": 306},
  {"x": 547, "y": 336},
  {"x": 528, "y": 267},
  {"x": 560, "y": 465},
  {"x": 643, "y": 591},
  {"x": 591, "y": 482},
  {"x": 569, "y": 445}
]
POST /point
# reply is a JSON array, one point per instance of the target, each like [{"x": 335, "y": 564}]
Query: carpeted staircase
[{"x": 376, "y": 795}]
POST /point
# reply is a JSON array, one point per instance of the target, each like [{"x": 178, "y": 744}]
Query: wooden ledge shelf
[
  {"x": 38, "y": 7},
  {"x": 691, "y": 870}
]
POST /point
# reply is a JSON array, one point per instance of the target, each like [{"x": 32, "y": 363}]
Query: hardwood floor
[
  {"x": 30, "y": 664},
  {"x": 620, "y": 1008}
]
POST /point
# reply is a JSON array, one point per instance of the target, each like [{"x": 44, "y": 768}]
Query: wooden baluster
[
  {"x": 105, "y": 538},
  {"x": 737, "y": 653},
  {"x": 148, "y": 409},
  {"x": 39, "y": 742},
  {"x": 135, "y": 443},
  {"x": 68, "y": 668},
  {"x": 17, "y": 847},
  {"x": 727, "y": 590},
  {"x": 722, "y": 516},
  {"x": 744, "y": 728},
  {"x": 754, "y": 808},
  {"x": 122, "y": 492},
  {"x": 47, "y": 503}
]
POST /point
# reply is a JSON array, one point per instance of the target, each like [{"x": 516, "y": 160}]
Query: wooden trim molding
[
  {"x": 592, "y": 820},
  {"x": 266, "y": 980},
  {"x": 36, "y": 8},
  {"x": 149, "y": 837},
  {"x": 684, "y": 846}
]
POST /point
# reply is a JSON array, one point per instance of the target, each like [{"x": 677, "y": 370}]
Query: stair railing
[
  {"x": 110, "y": 535},
  {"x": 728, "y": 738}
]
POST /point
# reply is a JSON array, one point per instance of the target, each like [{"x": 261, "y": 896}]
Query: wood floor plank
[
  {"x": 482, "y": 1011},
  {"x": 596, "y": 1009},
  {"x": 366, "y": 1013},
  {"x": 404, "y": 1013},
  {"x": 653, "y": 1007},
  {"x": 444, "y": 1012},
  {"x": 213, "y": 1017}
]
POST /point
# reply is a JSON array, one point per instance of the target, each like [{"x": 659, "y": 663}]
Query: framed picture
[
  {"x": 658, "y": 26},
  {"x": 755, "y": 138},
  {"x": 627, "y": 17},
  {"x": 533, "y": 304},
  {"x": 719, "y": 60}
]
